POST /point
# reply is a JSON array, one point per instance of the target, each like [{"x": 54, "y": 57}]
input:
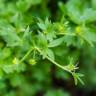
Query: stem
[
  {"x": 26, "y": 55},
  {"x": 72, "y": 34},
  {"x": 60, "y": 66},
  {"x": 55, "y": 63}
]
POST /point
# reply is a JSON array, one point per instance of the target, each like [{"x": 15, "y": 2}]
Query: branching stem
[
  {"x": 26, "y": 55},
  {"x": 52, "y": 61}
]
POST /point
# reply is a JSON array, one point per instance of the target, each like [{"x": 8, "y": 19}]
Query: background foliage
[{"x": 42, "y": 44}]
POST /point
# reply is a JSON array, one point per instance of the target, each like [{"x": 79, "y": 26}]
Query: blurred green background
[{"x": 45, "y": 79}]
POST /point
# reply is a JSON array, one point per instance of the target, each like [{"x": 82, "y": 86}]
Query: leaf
[
  {"x": 77, "y": 77},
  {"x": 56, "y": 42},
  {"x": 26, "y": 4},
  {"x": 6, "y": 53},
  {"x": 9, "y": 35},
  {"x": 26, "y": 33},
  {"x": 42, "y": 42},
  {"x": 42, "y": 26},
  {"x": 73, "y": 11},
  {"x": 50, "y": 54},
  {"x": 93, "y": 4},
  {"x": 79, "y": 12},
  {"x": 86, "y": 17},
  {"x": 91, "y": 36}
]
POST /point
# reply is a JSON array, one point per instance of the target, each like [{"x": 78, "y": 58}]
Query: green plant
[{"x": 27, "y": 40}]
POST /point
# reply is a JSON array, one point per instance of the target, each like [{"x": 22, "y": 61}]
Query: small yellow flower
[
  {"x": 61, "y": 28},
  {"x": 45, "y": 32},
  {"x": 71, "y": 67},
  {"x": 15, "y": 61},
  {"x": 32, "y": 62},
  {"x": 78, "y": 29}
]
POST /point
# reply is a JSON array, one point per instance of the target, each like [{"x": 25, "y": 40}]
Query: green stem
[
  {"x": 36, "y": 48},
  {"x": 72, "y": 34},
  {"x": 26, "y": 55},
  {"x": 60, "y": 66}
]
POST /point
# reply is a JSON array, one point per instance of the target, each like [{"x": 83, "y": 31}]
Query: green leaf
[
  {"x": 26, "y": 33},
  {"x": 56, "y": 42},
  {"x": 93, "y": 4},
  {"x": 41, "y": 41},
  {"x": 89, "y": 17},
  {"x": 9, "y": 35},
  {"x": 50, "y": 54},
  {"x": 91, "y": 36},
  {"x": 77, "y": 77},
  {"x": 88, "y": 35}
]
